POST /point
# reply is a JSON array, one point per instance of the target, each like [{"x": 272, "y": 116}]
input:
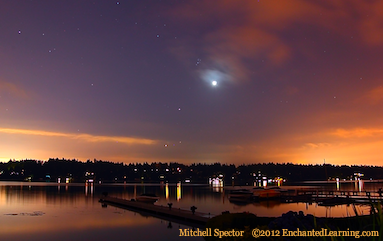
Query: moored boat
[
  {"x": 240, "y": 194},
  {"x": 271, "y": 192},
  {"x": 256, "y": 191}
]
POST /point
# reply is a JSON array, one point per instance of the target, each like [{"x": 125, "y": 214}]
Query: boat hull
[
  {"x": 240, "y": 194},
  {"x": 269, "y": 194}
]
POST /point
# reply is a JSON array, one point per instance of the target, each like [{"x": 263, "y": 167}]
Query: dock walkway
[
  {"x": 352, "y": 196},
  {"x": 333, "y": 197},
  {"x": 175, "y": 213}
]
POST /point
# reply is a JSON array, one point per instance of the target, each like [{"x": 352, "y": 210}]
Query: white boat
[{"x": 147, "y": 197}]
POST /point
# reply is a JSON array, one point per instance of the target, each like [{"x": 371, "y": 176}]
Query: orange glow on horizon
[{"x": 85, "y": 137}]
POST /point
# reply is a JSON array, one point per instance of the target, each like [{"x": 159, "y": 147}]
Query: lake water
[{"x": 51, "y": 211}]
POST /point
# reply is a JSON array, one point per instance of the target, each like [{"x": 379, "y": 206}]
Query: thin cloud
[
  {"x": 84, "y": 137},
  {"x": 240, "y": 34},
  {"x": 357, "y": 132},
  {"x": 316, "y": 145},
  {"x": 373, "y": 96},
  {"x": 12, "y": 89}
]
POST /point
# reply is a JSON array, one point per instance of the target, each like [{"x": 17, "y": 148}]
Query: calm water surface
[{"x": 51, "y": 211}]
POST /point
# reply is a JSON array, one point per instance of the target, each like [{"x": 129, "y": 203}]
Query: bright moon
[{"x": 214, "y": 83}]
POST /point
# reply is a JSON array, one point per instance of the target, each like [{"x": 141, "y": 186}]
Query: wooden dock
[{"x": 171, "y": 214}]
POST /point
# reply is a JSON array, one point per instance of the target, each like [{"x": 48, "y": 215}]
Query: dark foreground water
[{"x": 62, "y": 212}]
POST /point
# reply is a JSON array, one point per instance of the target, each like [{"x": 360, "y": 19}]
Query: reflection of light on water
[
  {"x": 3, "y": 199},
  {"x": 167, "y": 191},
  {"x": 337, "y": 184},
  {"x": 360, "y": 182},
  {"x": 22, "y": 223},
  {"x": 87, "y": 187},
  {"x": 217, "y": 189},
  {"x": 178, "y": 191}
]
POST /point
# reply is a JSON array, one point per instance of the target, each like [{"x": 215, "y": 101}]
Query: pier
[
  {"x": 340, "y": 196},
  {"x": 171, "y": 214},
  {"x": 324, "y": 197}
]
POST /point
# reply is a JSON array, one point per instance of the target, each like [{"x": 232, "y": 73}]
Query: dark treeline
[{"x": 97, "y": 170}]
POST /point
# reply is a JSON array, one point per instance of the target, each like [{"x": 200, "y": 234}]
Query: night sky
[{"x": 227, "y": 81}]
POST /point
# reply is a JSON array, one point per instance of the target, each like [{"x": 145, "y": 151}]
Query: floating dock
[{"x": 174, "y": 214}]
